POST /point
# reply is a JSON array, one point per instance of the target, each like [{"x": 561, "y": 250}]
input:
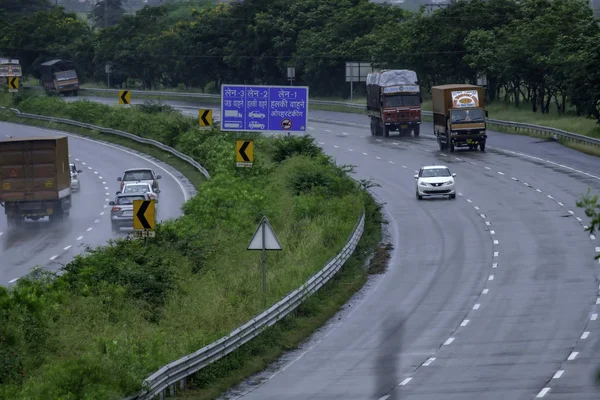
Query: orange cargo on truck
[{"x": 35, "y": 179}]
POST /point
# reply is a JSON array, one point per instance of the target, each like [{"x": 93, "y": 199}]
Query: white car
[
  {"x": 435, "y": 180},
  {"x": 140, "y": 188},
  {"x": 75, "y": 185},
  {"x": 256, "y": 114}
]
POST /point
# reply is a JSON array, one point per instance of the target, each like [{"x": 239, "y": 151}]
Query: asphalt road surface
[
  {"x": 492, "y": 295},
  {"x": 53, "y": 245}
]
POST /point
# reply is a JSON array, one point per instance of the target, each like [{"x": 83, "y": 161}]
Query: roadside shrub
[{"x": 122, "y": 310}]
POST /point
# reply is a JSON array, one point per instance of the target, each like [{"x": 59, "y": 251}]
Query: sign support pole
[{"x": 264, "y": 265}]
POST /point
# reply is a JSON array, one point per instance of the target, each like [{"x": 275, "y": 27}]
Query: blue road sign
[{"x": 264, "y": 108}]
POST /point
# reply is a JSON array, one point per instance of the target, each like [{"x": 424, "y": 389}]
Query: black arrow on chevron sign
[
  {"x": 124, "y": 96},
  {"x": 12, "y": 81},
  {"x": 243, "y": 151},
  {"x": 140, "y": 214},
  {"x": 203, "y": 117}
]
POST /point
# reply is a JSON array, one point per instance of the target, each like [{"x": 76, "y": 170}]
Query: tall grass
[{"x": 125, "y": 309}]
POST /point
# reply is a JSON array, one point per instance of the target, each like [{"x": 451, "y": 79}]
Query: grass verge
[
  {"x": 125, "y": 309},
  {"x": 290, "y": 332}
]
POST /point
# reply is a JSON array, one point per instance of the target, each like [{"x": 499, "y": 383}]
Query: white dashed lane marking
[
  {"x": 464, "y": 323},
  {"x": 13, "y": 280},
  {"x": 449, "y": 341},
  {"x": 485, "y": 291},
  {"x": 79, "y": 238},
  {"x": 88, "y": 229},
  {"x": 68, "y": 247},
  {"x": 594, "y": 317},
  {"x": 476, "y": 306},
  {"x": 585, "y": 335},
  {"x": 53, "y": 258},
  {"x": 558, "y": 374},
  {"x": 405, "y": 382},
  {"x": 543, "y": 392},
  {"x": 573, "y": 356}
]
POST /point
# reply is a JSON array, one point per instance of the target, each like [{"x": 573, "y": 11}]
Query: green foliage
[
  {"x": 592, "y": 210},
  {"x": 539, "y": 52},
  {"x": 107, "y": 13},
  {"x": 122, "y": 310}
]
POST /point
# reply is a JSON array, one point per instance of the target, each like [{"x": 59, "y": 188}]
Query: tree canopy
[{"x": 543, "y": 52}]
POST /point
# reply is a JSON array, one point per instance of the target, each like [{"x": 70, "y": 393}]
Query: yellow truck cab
[{"x": 459, "y": 116}]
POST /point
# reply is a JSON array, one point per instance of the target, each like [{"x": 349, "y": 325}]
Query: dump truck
[
  {"x": 35, "y": 178},
  {"x": 394, "y": 102},
  {"x": 459, "y": 116},
  {"x": 59, "y": 77}
]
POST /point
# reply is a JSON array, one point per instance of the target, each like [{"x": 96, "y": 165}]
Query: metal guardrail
[
  {"x": 177, "y": 371},
  {"x": 127, "y": 135},
  {"x": 538, "y": 129}
]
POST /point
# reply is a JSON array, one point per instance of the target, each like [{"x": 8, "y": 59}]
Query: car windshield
[
  {"x": 435, "y": 172},
  {"x": 476, "y": 115},
  {"x": 400, "y": 100},
  {"x": 138, "y": 176},
  {"x": 128, "y": 200},
  {"x": 136, "y": 189}
]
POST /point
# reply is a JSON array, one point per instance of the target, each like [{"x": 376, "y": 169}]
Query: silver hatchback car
[{"x": 121, "y": 214}]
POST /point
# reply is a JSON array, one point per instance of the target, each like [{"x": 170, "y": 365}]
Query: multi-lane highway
[
  {"x": 53, "y": 245},
  {"x": 493, "y": 295}
]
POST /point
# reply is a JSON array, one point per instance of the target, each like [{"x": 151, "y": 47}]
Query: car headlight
[
  {"x": 449, "y": 183},
  {"x": 422, "y": 184}
]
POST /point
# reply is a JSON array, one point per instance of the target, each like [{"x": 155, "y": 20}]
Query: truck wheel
[
  {"x": 482, "y": 146},
  {"x": 452, "y": 147},
  {"x": 417, "y": 130},
  {"x": 441, "y": 146},
  {"x": 386, "y": 131},
  {"x": 378, "y": 128},
  {"x": 373, "y": 128}
]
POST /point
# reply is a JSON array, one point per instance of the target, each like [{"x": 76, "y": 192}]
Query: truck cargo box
[
  {"x": 34, "y": 169},
  {"x": 441, "y": 97},
  {"x": 386, "y": 79}
]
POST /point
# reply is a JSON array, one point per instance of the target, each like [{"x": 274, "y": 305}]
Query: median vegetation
[{"x": 123, "y": 310}]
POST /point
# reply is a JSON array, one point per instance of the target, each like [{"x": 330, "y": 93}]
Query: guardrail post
[
  {"x": 172, "y": 390},
  {"x": 182, "y": 384}
]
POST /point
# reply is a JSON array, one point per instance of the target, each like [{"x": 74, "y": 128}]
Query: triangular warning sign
[
  {"x": 264, "y": 237},
  {"x": 12, "y": 174}
]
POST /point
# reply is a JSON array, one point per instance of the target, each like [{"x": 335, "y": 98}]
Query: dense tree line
[{"x": 543, "y": 52}]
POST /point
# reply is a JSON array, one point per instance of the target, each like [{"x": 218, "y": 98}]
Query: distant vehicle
[
  {"x": 59, "y": 77},
  {"x": 394, "y": 102},
  {"x": 75, "y": 184},
  {"x": 35, "y": 178},
  {"x": 435, "y": 180},
  {"x": 139, "y": 188},
  {"x": 256, "y": 114},
  {"x": 459, "y": 116},
  {"x": 139, "y": 175},
  {"x": 10, "y": 67},
  {"x": 121, "y": 213},
  {"x": 256, "y": 125}
]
